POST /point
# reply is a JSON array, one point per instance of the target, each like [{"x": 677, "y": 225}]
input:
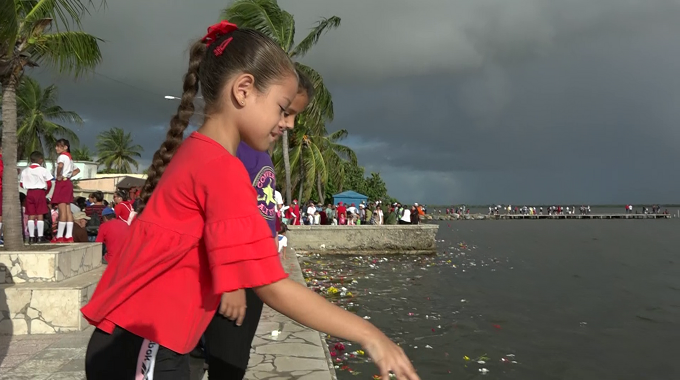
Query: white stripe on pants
[{"x": 146, "y": 360}]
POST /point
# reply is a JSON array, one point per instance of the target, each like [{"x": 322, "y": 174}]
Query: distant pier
[{"x": 545, "y": 216}]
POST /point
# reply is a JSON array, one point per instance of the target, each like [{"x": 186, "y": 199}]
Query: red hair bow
[{"x": 218, "y": 30}]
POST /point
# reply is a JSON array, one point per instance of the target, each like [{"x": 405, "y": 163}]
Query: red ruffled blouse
[{"x": 200, "y": 235}]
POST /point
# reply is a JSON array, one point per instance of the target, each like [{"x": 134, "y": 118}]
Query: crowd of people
[
  {"x": 365, "y": 213},
  {"x": 62, "y": 218}
]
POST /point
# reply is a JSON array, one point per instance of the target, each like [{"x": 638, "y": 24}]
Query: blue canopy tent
[{"x": 349, "y": 197}]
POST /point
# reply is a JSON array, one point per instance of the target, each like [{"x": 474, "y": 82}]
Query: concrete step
[
  {"x": 46, "y": 307},
  {"x": 49, "y": 263}
]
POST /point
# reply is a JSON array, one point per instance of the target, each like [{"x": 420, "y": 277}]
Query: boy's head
[
  {"x": 37, "y": 158},
  {"x": 108, "y": 214},
  {"x": 97, "y": 197},
  {"x": 302, "y": 98},
  {"x": 283, "y": 230}
]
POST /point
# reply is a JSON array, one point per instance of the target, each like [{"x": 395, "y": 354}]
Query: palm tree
[
  {"x": 81, "y": 154},
  {"x": 38, "y": 114},
  {"x": 116, "y": 152},
  {"x": 267, "y": 17},
  {"x": 315, "y": 156},
  {"x": 27, "y": 40}
]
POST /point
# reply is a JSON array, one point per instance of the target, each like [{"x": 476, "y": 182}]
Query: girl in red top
[
  {"x": 124, "y": 209},
  {"x": 199, "y": 232}
]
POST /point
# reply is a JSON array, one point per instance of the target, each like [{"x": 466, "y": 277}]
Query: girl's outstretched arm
[{"x": 306, "y": 307}]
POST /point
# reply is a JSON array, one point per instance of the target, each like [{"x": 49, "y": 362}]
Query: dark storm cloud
[{"x": 452, "y": 101}]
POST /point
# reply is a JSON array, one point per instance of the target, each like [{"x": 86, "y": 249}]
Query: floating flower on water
[
  {"x": 466, "y": 358},
  {"x": 361, "y": 352},
  {"x": 484, "y": 371},
  {"x": 377, "y": 377},
  {"x": 332, "y": 290},
  {"x": 339, "y": 346}
]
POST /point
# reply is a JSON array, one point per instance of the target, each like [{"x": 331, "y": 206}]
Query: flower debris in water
[{"x": 351, "y": 282}]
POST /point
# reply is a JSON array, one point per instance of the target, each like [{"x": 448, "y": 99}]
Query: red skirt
[
  {"x": 36, "y": 203},
  {"x": 63, "y": 192}
]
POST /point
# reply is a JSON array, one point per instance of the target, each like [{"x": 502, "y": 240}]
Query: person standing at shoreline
[
  {"x": 199, "y": 235},
  {"x": 228, "y": 342}
]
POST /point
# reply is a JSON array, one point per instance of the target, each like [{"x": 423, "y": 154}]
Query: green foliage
[
  {"x": 373, "y": 186},
  {"x": 116, "y": 151},
  {"x": 81, "y": 154},
  {"x": 38, "y": 119}
]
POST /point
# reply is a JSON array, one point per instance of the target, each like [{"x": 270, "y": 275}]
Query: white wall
[{"x": 88, "y": 169}]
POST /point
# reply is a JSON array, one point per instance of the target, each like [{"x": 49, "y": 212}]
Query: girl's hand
[
  {"x": 233, "y": 306},
  {"x": 60, "y": 178},
  {"x": 390, "y": 358}
]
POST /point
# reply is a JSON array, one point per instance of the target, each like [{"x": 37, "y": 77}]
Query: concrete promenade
[{"x": 293, "y": 352}]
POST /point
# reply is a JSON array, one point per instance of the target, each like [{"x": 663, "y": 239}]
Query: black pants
[
  {"x": 228, "y": 346},
  {"x": 124, "y": 355}
]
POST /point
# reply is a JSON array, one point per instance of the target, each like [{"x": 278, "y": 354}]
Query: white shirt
[
  {"x": 35, "y": 177},
  {"x": 311, "y": 210},
  {"x": 407, "y": 215},
  {"x": 352, "y": 209},
  {"x": 278, "y": 198},
  {"x": 283, "y": 242},
  {"x": 67, "y": 170}
]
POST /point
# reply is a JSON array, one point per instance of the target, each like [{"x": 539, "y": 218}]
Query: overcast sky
[{"x": 452, "y": 101}]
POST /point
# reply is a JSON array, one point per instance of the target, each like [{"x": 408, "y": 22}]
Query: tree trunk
[
  {"x": 11, "y": 207},
  {"x": 319, "y": 189},
  {"x": 302, "y": 176},
  {"x": 286, "y": 166}
]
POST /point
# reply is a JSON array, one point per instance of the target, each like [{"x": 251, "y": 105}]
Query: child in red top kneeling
[{"x": 198, "y": 232}]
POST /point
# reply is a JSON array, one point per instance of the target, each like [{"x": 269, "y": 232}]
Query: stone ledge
[
  {"x": 360, "y": 240},
  {"x": 57, "y": 263},
  {"x": 46, "y": 307}
]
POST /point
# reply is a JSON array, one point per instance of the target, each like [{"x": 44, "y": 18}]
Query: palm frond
[
  {"x": 264, "y": 16},
  {"x": 320, "y": 109},
  {"x": 55, "y": 131},
  {"x": 50, "y": 95},
  {"x": 9, "y": 27},
  {"x": 312, "y": 38},
  {"x": 58, "y": 113},
  {"x": 338, "y": 135},
  {"x": 66, "y": 13},
  {"x": 72, "y": 52}
]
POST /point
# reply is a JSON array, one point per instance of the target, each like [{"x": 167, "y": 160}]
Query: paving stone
[
  {"x": 295, "y": 349},
  {"x": 78, "y": 375},
  {"x": 77, "y": 364},
  {"x": 59, "y": 353},
  {"x": 23, "y": 376},
  {"x": 289, "y": 364},
  {"x": 71, "y": 342},
  {"x": 317, "y": 375},
  {"x": 40, "y": 366},
  {"x": 12, "y": 361}
]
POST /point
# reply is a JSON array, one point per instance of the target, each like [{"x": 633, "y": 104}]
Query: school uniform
[
  {"x": 63, "y": 190},
  {"x": 200, "y": 235},
  {"x": 37, "y": 181}
]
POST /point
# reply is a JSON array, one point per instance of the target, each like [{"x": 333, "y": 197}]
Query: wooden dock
[
  {"x": 581, "y": 216},
  {"x": 546, "y": 216}
]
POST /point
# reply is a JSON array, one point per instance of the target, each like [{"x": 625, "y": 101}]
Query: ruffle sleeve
[{"x": 242, "y": 254}]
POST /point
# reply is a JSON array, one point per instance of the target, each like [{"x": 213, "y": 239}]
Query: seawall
[{"x": 353, "y": 240}]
